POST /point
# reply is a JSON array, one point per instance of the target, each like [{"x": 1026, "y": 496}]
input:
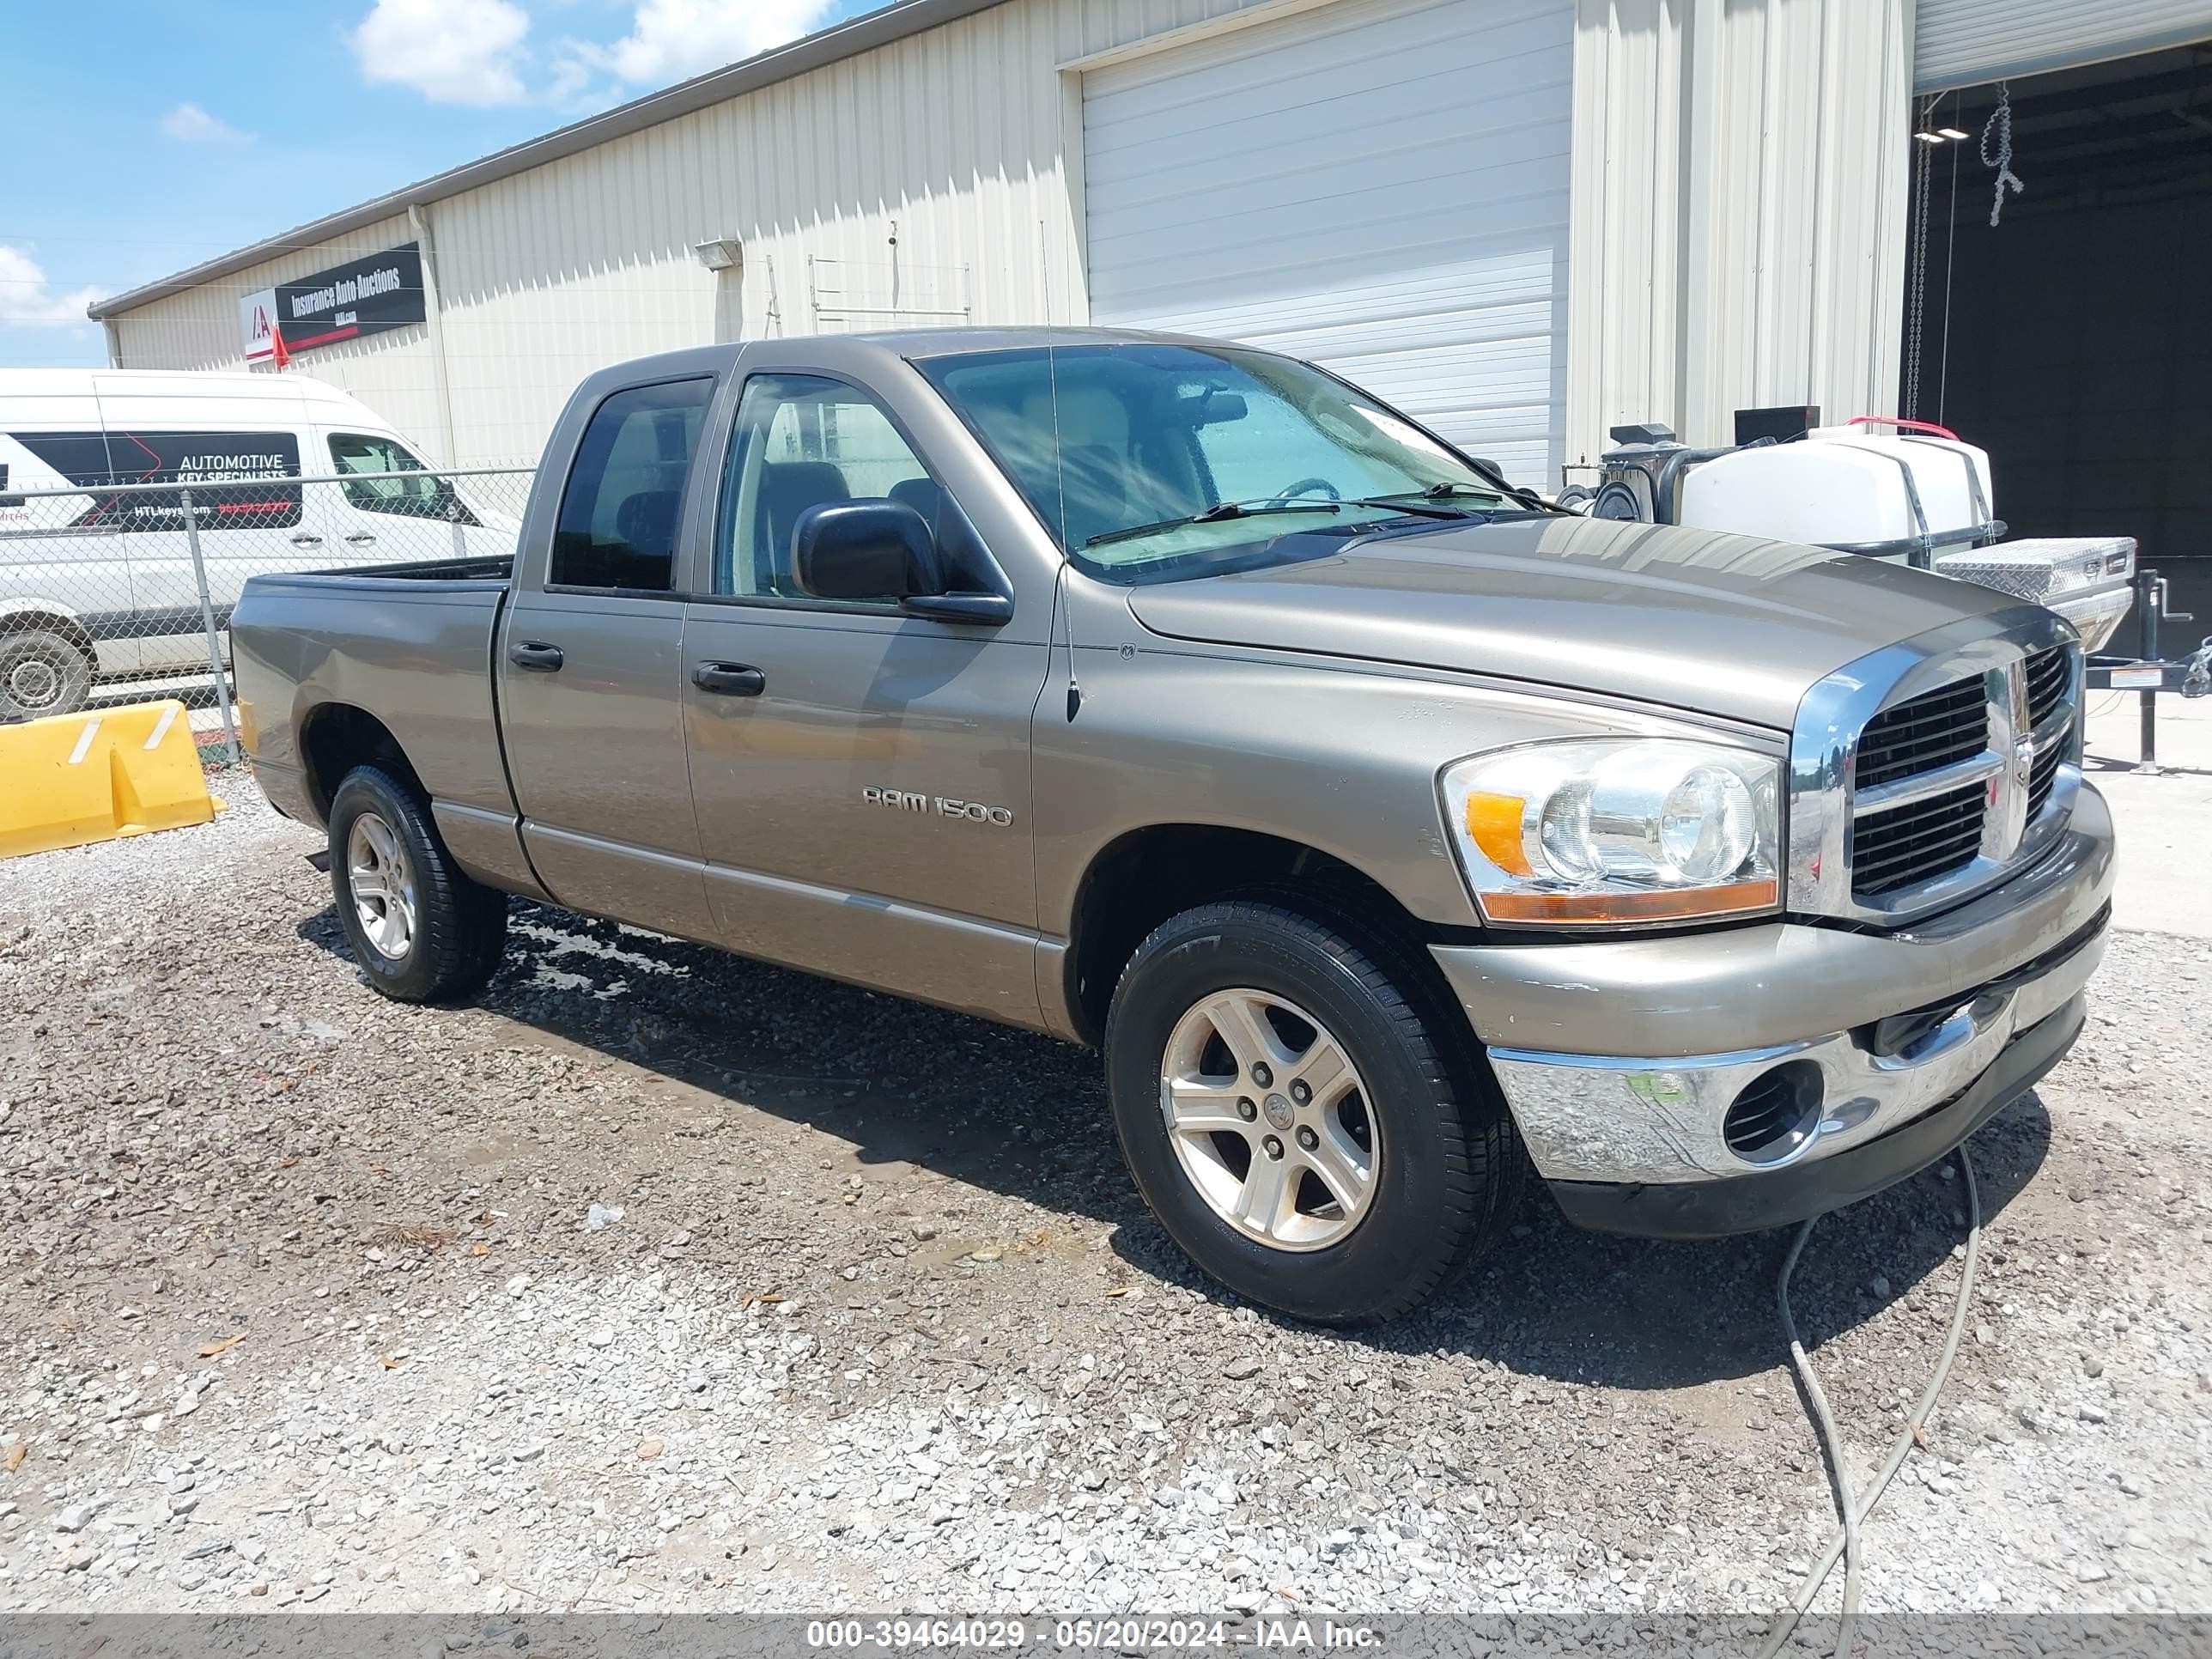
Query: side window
[
  {"x": 616, "y": 527},
  {"x": 802, "y": 441},
  {"x": 421, "y": 494}
]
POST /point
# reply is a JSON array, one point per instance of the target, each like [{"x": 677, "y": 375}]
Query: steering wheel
[{"x": 1305, "y": 487}]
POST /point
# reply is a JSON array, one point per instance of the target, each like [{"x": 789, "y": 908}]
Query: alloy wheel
[
  {"x": 1269, "y": 1120},
  {"x": 382, "y": 882}
]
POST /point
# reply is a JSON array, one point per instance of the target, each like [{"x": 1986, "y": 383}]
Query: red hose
[{"x": 1909, "y": 426}]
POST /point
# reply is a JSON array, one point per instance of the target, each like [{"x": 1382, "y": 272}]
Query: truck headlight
[{"x": 1616, "y": 830}]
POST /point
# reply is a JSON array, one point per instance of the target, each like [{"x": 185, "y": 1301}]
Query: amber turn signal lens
[
  {"x": 1494, "y": 823},
  {"x": 1688, "y": 904}
]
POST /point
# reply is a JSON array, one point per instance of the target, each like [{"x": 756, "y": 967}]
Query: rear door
[{"x": 590, "y": 663}]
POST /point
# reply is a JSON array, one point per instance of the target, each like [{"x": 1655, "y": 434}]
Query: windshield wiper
[
  {"x": 1444, "y": 488},
  {"x": 1215, "y": 514},
  {"x": 1415, "y": 505}
]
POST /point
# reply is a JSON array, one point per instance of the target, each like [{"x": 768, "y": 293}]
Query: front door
[
  {"x": 861, "y": 776},
  {"x": 589, "y": 663}
]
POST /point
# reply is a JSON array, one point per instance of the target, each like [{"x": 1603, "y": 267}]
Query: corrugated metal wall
[
  {"x": 1738, "y": 219},
  {"x": 954, "y": 135},
  {"x": 200, "y": 329},
  {"x": 1739, "y": 203}
]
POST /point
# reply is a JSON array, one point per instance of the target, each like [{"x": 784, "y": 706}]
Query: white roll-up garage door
[
  {"x": 1376, "y": 184},
  {"x": 1963, "y": 43}
]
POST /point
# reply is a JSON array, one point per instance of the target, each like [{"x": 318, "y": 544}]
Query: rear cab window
[{"x": 624, "y": 493}]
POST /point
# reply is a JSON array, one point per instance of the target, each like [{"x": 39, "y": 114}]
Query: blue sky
[{"x": 142, "y": 139}]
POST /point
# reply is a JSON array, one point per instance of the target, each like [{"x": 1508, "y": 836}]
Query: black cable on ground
[{"x": 1844, "y": 1540}]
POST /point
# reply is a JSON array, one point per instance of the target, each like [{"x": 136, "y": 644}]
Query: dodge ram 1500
[{"x": 1395, "y": 834}]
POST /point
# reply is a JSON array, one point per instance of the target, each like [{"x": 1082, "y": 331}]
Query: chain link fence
[{"x": 117, "y": 592}]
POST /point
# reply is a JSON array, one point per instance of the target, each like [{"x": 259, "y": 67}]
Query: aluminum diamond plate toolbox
[{"x": 2046, "y": 568}]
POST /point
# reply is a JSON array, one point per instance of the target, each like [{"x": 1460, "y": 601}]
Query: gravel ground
[{"x": 307, "y": 1302}]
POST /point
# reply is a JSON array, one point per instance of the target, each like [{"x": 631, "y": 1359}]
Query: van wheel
[
  {"x": 1302, "y": 1115},
  {"x": 421, "y": 929},
  {"x": 42, "y": 673}
]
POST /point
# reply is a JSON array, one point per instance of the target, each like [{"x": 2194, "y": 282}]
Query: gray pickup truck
[{"x": 1393, "y": 834}]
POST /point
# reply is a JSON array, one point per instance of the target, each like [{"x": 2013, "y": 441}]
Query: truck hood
[{"x": 1725, "y": 625}]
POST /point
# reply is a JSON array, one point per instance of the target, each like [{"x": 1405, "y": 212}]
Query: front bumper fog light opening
[{"x": 1776, "y": 1115}]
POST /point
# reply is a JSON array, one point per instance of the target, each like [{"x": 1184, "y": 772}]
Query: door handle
[
  {"x": 536, "y": 654},
  {"x": 729, "y": 679},
  {"x": 361, "y": 538},
  {"x": 303, "y": 538}
]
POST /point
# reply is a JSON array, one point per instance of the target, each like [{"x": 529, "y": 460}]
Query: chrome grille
[
  {"x": 2040, "y": 777},
  {"x": 1926, "y": 835},
  {"x": 1932, "y": 769},
  {"x": 1908, "y": 844},
  {"x": 2048, "y": 673},
  {"x": 1951, "y": 723}
]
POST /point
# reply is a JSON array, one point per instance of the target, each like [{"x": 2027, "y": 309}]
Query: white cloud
[
  {"x": 671, "y": 40},
  {"x": 189, "y": 124},
  {"x": 452, "y": 52},
  {"x": 27, "y": 299},
  {"x": 473, "y": 52}
]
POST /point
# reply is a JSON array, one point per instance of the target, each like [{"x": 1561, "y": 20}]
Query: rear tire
[
  {"x": 42, "y": 673},
  {"x": 420, "y": 928},
  {"x": 1362, "y": 1208}
]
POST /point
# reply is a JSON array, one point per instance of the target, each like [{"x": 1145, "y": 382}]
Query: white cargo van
[{"x": 99, "y": 584}]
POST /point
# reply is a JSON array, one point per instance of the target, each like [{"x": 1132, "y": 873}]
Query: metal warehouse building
[{"x": 1521, "y": 220}]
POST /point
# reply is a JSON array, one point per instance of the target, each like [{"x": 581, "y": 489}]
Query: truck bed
[{"x": 410, "y": 644}]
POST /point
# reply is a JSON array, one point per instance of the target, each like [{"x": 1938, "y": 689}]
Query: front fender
[{"x": 1338, "y": 756}]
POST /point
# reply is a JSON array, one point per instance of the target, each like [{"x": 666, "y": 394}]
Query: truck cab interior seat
[
  {"x": 924, "y": 495},
  {"x": 787, "y": 488},
  {"x": 1092, "y": 424},
  {"x": 642, "y": 546},
  {"x": 646, "y": 521}
]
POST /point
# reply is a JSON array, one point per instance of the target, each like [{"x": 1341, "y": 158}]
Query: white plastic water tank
[{"x": 1842, "y": 486}]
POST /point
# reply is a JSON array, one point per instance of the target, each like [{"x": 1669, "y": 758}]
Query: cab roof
[{"x": 958, "y": 342}]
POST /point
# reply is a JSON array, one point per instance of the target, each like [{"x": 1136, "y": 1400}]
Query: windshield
[{"x": 1154, "y": 463}]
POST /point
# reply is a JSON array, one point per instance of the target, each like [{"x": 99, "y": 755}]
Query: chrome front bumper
[{"x": 1621, "y": 1059}]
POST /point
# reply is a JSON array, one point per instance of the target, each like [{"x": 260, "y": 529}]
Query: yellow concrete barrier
[{"x": 69, "y": 779}]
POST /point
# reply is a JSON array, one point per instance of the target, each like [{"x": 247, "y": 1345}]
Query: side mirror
[{"x": 864, "y": 550}]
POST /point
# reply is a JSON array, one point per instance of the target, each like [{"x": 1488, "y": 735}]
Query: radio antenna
[{"x": 1060, "y": 479}]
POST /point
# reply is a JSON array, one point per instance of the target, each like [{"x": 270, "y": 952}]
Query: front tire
[
  {"x": 42, "y": 673},
  {"x": 1306, "y": 1118},
  {"x": 420, "y": 928}
]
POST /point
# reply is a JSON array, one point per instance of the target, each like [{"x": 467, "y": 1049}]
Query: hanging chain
[
  {"x": 1916, "y": 290},
  {"x": 1999, "y": 131}
]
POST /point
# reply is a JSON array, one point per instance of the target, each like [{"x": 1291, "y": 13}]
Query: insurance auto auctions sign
[{"x": 363, "y": 297}]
